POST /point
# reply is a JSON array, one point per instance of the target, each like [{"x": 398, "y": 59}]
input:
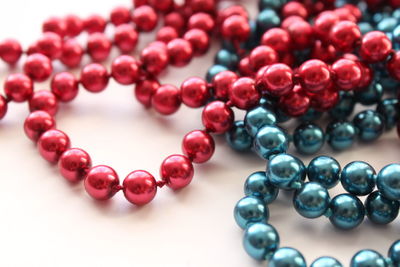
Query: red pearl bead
[
  {"x": 167, "y": 99},
  {"x": 222, "y": 83},
  {"x": 375, "y": 47},
  {"x": 243, "y": 93},
  {"x": 393, "y": 65},
  {"x": 202, "y": 5},
  {"x": 294, "y": 9},
  {"x": 347, "y": 74},
  {"x": 180, "y": 52},
  {"x": 52, "y": 144},
  {"x": 326, "y": 53},
  {"x": 101, "y": 182},
  {"x": 199, "y": 40},
  {"x": 154, "y": 58},
  {"x": 74, "y": 164},
  {"x": 276, "y": 79},
  {"x": 231, "y": 11},
  {"x": 288, "y": 59},
  {"x": 278, "y": 39},
  {"x": 74, "y": 25},
  {"x": 38, "y": 67},
  {"x": 289, "y": 21},
  {"x": 175, "y": 20},
  {"x": 166, "y": 34},
  {"x": 236, "y": 28},
  {"x": 177, "y": 171},
  {"x": 99, "y": 46},
  {"x": 354, "y": 10},
  {"x": 244, "y": 67},
  {"x": 56, "y": 25},
  {"x": 323, "y": 23},
  {"x": 344, "y": 14},
  {"x": 367, "y": 75},
  {"x": 125, "y": 70},
  {"x": 217, "y": 117},
  {"x": 262, "y": 56},
  {"x": 202, "y": 21},
  {"x": 138, "y": 3},
  {"x": 120, "y": 15},
  {"x": 94, "y": 23},
  {"x": 71, "y": 54},
  {"x": 50, "y": 45},
  {"x": 145, "y": 18},
  {"x": 3, "y": 106},
  {"x": 37, "y": 123},
  {"x": 345, "y": 36},
  {"x": 139, "y": 187},
  {"x": 301, "y": 34},
  {"x": 10, "y": 51},
  {"x": 18, "y": 87},
  {"x": 125, "y": 38},
  {"x": 64, "y": 86},
  {"x": 314, "y": 75},
  {"x": 144, "y": 91},
  {"x": 44, "y": 100},
  {"x": 94, "y": 77},
  {"x": 194, "y": 92},
  {"x": 162, "y": 6},
  {"x": 325, "y": 100},
  {"x": 198, "y": 146},
  {"x": 296, "y": 103}
]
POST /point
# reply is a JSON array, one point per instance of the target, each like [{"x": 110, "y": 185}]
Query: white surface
[{"x": 47, "y": 222}]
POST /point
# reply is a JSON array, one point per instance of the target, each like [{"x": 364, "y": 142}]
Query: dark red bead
[
  {"x": 50, "y": 45},
  {"x": 175, "y": 20},
  {"x": 10, "y": 51},
  {"x": 262, "y": 56},
  {"x": 38, "y": 67},
  {"x": 345, "y": 36},
  {"x": 301, "y": 35},
  {"x": 52, "y": 144},
  {"x": 177, "y": 171},
  {"x": 144, "y": 91},
  {"x": 194, "y": 92},
  {"x": 276, "y": 80},
  {"x": 202, "y": 21},
  {"x": 180, "y": 52},
  {"x": 94, "y": 23},
  {"x": 154, "y": 58},
  {"x": 199, "y": 40},
  {"x": 354, "y": 10},
  {"x": 162, "y": 6},
  {"x": 231, "y": 11},
  {"x": 99, "y": 46},
  {"x": 145, "y": 18},
  {"x": 44, "y": 100},
  {"x": 139, "y": 187},
  {"x": 74, "y": 25},
  {"x": 375, "y": 47},
  {"x": 289, "y": 21},
  {"x": 314, "y": 75},
  {"x": 325, "y": 100},
  {"x": 202, "y": 5},
  {"x": 326, "y": 53},
  {"x": 198, "y": 146},
  {"x": 167, "y": 99},
  {"x": 294, "y": 9},
  {"x": 55, "y": 25},
  {"x": 101, "y": 182},
  {"x": 217, "y": 117},
  {"x": 166, "y": 34},
  {"x": 222, "y": 83},
  {"x": 64, "y": 86},
  {"x": 236, "y": 28},
  {"x": 120, "y": 15},
  {"x": 94, "y": 77},
  {"x": 125, "y": 38},
  {"x": 3, "y": 106},
  {"x": 367, "y": 75},
  {"x": 347, "y": 74},
  {"x": 244, "y": 67},
  {"x": 295, "y": 103},
  {"x": 278, "y": 39},
  {"x": 18, "y": 87},
  {"x": 125, "y": 70},
  {"x": 138, "y": 3},
  {"x": 37, "y": 123},
  {"x": 344, "y": 14},
  {"x": 393, "y": 65},
  {"x": 72, "y": 53},
  {"x": 243, "y": 93},
  {"x": 74, "y": 164},
  {"x": 323, "y": 24}
]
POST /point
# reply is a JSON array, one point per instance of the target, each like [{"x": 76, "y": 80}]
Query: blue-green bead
[
  {"x": 254, "y": 38},
  {"x": 214, "y": 70},
  {"x": 260, "y": 240},
  {"x": 365, "y": 27},
  {"x": 250, "y": 210},
  {"x": 379, "y": 16},
  {"x": 388, "y": 181},
  {"x": 311, "y": 115},
  {"x": 257, "y": 118},
  {"x": 281, "y": 117},
  {"x": 387, "y": 24},
  {"x": 358, "y": 178},
  {"x": 258, "y": 185},
  {"x": 341, "y": 135},
  {"x": 226, "y": 58},
  {"x": 369, "y": 124},
  {"x": 238, "y": 138},
  {"x": 308, "y": 138},
  {"x": 312, "y": 200},
  {"x": 267, "y": 19},
  {"x": 347, "y": 211},
  {"x": 274, "y": 4},
  {"x": 381, "y": 210},
  {"x": 389, "y": 109},
  {"x": 368, "y": 258},
  {"x": 345, "y": 106},
  {"x": 286, "y": 171},
  {"x": 369, "y": 95},
  {"x": 324, "y": 170},
  {"x": 396, "y": 34},
  {"x": 394, "y": 253},
  {"x": 287, "y": 257},
  {"x": 396, "y": 14},
  {"x": 270, "y": 140},
  {"x": 326, "y": 262}
]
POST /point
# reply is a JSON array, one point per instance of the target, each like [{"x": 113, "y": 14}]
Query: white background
[{"x": 45, "y": 221}]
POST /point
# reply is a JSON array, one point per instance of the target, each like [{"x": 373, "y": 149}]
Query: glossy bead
[
  {"x": 222, "y": 82},
  {"x": 202, "y": 21},
  {"x": 243, "y": 93},
  {"x": 323, "y": 23},
  {"x": 231, "y": 11},
  {"x": 368, "y": 258},
  {"x": 369, "y": 95},
  {"x": 311, "y": 115},
  {"x": 139, "y": 187},
  {"x": 262, "y": 56},
  {"x": 267, "y": 19},
  {"x": 250, "y": 210},
  {"x": 154, "y": 58},
  {"x": 37, "y": 123},
  {"x": 295, "y": 103},
  {"x": 64, "y": 86},
  {"x": 52, "y": 144},
  {"x": 347, "y": 74},
  {"x": 3, "y": 106},
  {"x": 194, "y": 92},
  {"x": 270, "y": 140},
  {"x": 258, "y": 185},
  {"x": 324, "y": 170},
  {"x": 226, "y": 58},
  {"x": 276, "y": 80},
  {"x": 199, "y": 41},
  {"x": 388, "y": 108},
  {"x": 50, "y": 45},
  {"x": 120, "y": 15},
  {"x": 213, "y": 71},
  {"x": 145, "y": 18},
  {"x": 388, "y": 181},
  {"x": 236, "y": 28},
  {"x": 325, "y": 100},
  {"x": 257, "y": 118},
  {"x": 375, "y": 46},
  {"x": 238, "y": 138},
  {"x": 55, "y": 25},
  {"x": 393, "y": 65},
  {"x": 308, "y": 138},
  {"x": 125, "y": 70},
  {"x": 180, "y": 52},
  {"x": 369, "y": 124},
  {"x": 217, "y": 117},
  {"x": 314, "y": 75},
  {"x": 287, "y": 256},
  {"x": 326, "y": 53},
  {"x": 276, "y": 38},
  {"x": 302, "y": 35},
  {"x": 71, "y": 53},
  {"x": 260, "y": 240},
  {"x": 263, "y": 4},
  {"x": 326, "y": 262},
  {"x": 341, "y": 135},
  {"x": 18, "y": 87},
  {"x": 358, "y": 178},
  {"x": 166, "y": 34},
  {"x": 44, "y": 100},
  {"x": 98, "y": 47},
  {"x": 176, "y": 171},
  {"x": 74, "y": 25},
  {"x": 347, "y": 211},
  {"x": 286, "y": 171},
  {"x": 94, "y": 23},
  {"x": 10, "y": 51},
  {"x": 175, "y": 20},
  {"x": 144, "y": 91},
  {"x": 245, "y": 68},
  {"x": 101, "y": 182},
  {"x": 166, "y": 99},
  {"x": 345, "y": 35},
  {"x": 311, "y": 200},
  {"x": 344, "y": 107},
  {"x": 381, "y": 210},
  {"x": 207, "y": 6},
  {"x": 38, "y": 67},
  {"x": 198, "y": 146},
  {"x": 394, "y": 252},
  {"x": 94, "y": 77},
  {"x": 125, "y": 38},
  {"x": 74, "y": 164}
]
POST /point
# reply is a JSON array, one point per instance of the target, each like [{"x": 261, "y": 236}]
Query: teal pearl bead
[
  {"x": 270, "y": 140},
  {"x": 381, "y": 210},
  {"x": 387, "y": 24},
  {"x": 369, "y": 124},
  {"x": 396, "y": 34},
  {"x": 347, "y": 211},
  {"x": 267, "y": 19},
  {"x": 341, "y": 135},
  {"x": 226, "y": 58},
  {"x": 258, "y": 185},
  {"x": 238, "y": 138},
  {"x": 326, "y": 262},
  {"x": 368, "y": 258},
  {"x": 358, "y": 178},
  {"x": 260, "y": 240},
  {"x": 274, "y": 4},
  {"x": 388, "y": 181},
  {"x": 286, "y": 171},
  {"x": 389, "y": 110},
  {"x": 369, "y": 95},
  {"x": 394, "y": 253},
  {"x": 311, "y": 115},
  {"x": 257, "y": 118},
  {"x": 312, "y": 200},
  {"x": 345, "y": 106},
  {"x": 250, "y": 210},
  {"x": 254, "y": 38},
  {"x": 287, "y": 257},
  {"x": 281, "y": 117},
  {"x": 324, "y": 170},
  {"x": 308, "y": 138},
  {"x": 365, "y": 27},
  {"x": 214, "y": 70}
]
